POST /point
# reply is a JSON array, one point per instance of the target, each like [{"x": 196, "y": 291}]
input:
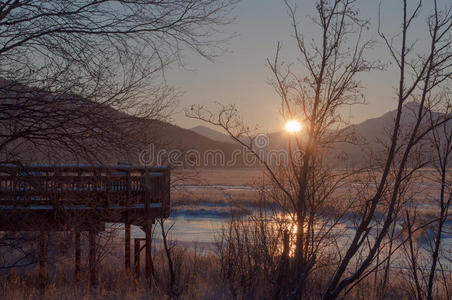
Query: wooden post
[
  {"x": 92, "y": 258},
  {"x": 147, "y": 227},
  {"x": 165, "y": 193},
  {"x": 148, "y": 249},
  {"x": 77, "y": 255},
  {"x": 281, "y": 291},
  {"x": 286, "y": 246},
  {"x": 127, "y": 247},
  {"x": 137, "y": 259},
  {"x": 42, "y": 261}
]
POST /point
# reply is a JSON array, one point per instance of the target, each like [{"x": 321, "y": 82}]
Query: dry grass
[
  {"x": 423, "y": 192},
  {"x": 197, "y": 279},
  {"x": 233, "y": 176},
  {"x": 216, "y": 187},
  {"x": 199, "y": 276},
  {"x": 218, "y": 196}
]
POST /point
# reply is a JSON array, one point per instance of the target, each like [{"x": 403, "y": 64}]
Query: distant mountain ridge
[
  {"x": 135, "y": 135},
  {"x": 373, "y": 128},
  {"x": 212, "y": 134},
  {"x": 372, "y": 134},
  {"x": 107, "y": 136}
]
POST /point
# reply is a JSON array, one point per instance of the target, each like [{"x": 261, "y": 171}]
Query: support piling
[
  {"x": 127, "y": 247},
  {"x": 77, "y": 256},
  {"x": 137, "y": 259},
  {"x": 42, "y": 260},
  {"x": 92, "y": 258}
]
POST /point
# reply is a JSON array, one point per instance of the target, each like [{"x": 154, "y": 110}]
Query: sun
[{"x": 293, "y": 126}]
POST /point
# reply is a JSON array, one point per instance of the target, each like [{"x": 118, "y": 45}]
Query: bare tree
[
  {"x": 442, "y": 142},
  {"x": 309, "y": 185},
  {"x": 425, "y": 252},
  {"x": 66, "y": 65},
  {"x": 82, "y": 79},
  {"x": 426, "y": 76}
]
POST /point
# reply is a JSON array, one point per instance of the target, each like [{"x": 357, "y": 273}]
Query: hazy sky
[{"x": 241, "y": 77}]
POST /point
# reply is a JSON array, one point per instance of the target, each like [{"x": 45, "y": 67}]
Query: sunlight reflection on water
[
  {"x": 202, "y": 232},
  {"x": 193, "y": 229}
]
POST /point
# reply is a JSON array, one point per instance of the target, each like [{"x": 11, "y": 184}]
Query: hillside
[
  {"x": 372, "y": 135},
  {"x": 92, "y": 132},
  {"x": 38, "y": 126},
  {"x": 212, "y": 134}
]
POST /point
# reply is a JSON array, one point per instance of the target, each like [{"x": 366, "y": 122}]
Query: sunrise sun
[{"x": 293, "y": 126}]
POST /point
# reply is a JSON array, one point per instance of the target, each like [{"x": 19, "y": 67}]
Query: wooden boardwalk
[
  {"x": 123, "y": 194},
  {"x": 83, "y": 198}
]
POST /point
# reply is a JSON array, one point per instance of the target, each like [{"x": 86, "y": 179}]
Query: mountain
[
  {"x": 212, "y": 134},
  {"x": 371, "y": 136},
  {"x": 76, "y": 128},
  {"x": 194, "y": 148},
  {"x": 275, "y": 139},
  {"x": 40, "y": 126}
]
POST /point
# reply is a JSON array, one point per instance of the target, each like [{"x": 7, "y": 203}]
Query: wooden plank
[
  {"x": 127, "y": 247},
  {"x": 136, "y": 261},
  {"x": 42, "y": 260},
  {"x": 148, "y": 249},
  {"x": 63, "y": 187},
  {"x": 92, "y": 258},
  {"x": 74, "y": 168},
  {"x": 77, "y": 256}
]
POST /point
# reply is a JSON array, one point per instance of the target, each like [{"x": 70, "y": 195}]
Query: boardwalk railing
[{"x": 72, "y": 187}]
